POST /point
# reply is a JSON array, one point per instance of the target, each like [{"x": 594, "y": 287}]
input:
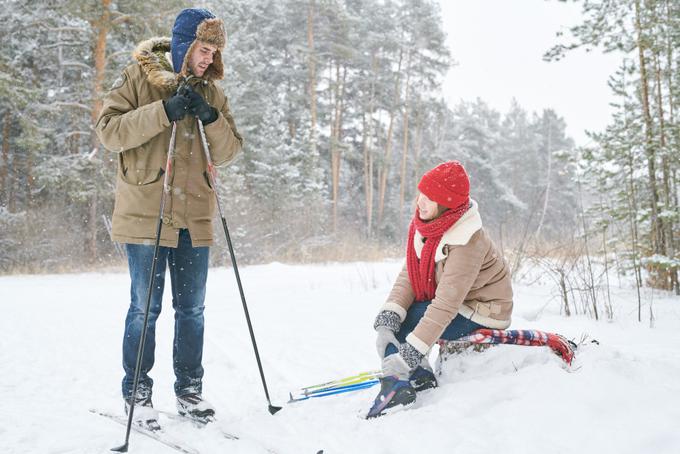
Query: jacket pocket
[
  {"x": 138, "y": 197},
  {"x": 141, "y": 177}
]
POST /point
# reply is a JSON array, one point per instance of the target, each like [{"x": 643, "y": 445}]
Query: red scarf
[{"x": 421, "y": 272}]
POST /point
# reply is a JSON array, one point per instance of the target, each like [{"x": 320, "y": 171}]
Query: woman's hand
[
  {"x": 385, "y": 337},
  {"x": 387, "y": 324}
]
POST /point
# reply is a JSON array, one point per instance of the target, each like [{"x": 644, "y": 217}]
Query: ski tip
[
  {"x": 273, "y": 409},
  {"x": 122, "y": 448}
]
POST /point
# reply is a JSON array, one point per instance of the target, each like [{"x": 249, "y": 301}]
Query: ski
[
  {"x": 199, "y": 423},
  {"x": 159, "y": 436}
]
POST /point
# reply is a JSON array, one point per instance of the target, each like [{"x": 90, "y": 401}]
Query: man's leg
[
  {"x": 188, "y": 272},
  {"x": 140, "y": 258}
]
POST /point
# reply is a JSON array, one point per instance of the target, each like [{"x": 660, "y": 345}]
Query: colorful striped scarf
[{"x": 530, "y": 337}]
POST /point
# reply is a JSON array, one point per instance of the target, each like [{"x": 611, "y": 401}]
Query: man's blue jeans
[
  {"x": 459, "y": 326},
  {"x": 188, "y": 274}
]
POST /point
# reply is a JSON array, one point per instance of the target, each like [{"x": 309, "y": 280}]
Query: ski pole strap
[{"x": 528, "y": 337}]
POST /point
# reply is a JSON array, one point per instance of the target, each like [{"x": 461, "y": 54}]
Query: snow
[{"x": 61, "y": 342}]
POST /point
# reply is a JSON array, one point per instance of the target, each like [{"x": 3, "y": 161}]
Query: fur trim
[
  {"x": 214, "y": 72},
  {"x": 210, "y": 31},
  {"x": 417, "y": 344},
  {"x": 150, "y": 55}
]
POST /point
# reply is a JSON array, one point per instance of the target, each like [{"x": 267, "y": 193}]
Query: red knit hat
[{"x": 447, "y": 184}]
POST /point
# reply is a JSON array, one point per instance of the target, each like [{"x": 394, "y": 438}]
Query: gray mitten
[
  {"x": 394, "y": 366},
  {"x": 401, "y": 364},
  {"x": 387, "y": 323}
]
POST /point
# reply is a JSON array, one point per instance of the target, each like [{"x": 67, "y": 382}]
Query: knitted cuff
[
  {"x": 388, "y": 319},
  {"x": 410, "y": 355}
]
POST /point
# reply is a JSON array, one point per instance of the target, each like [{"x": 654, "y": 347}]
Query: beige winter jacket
[
  {"x": 134, "y": 125},
  {"x": 473, "y": 280}
]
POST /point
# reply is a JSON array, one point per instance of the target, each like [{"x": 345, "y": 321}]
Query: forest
[{"x": 340, "y": 106}]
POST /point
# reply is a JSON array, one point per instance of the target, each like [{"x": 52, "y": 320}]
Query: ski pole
[
  {"x": 333, "y": 391},
  {"x": 142, "y": 340},
  {"x": 352, "y": 379},
  {"x": 213, "y": 181}
]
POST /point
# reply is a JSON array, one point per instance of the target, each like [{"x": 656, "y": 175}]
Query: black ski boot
[
  {"x": 422, "y": 378},
  {"x": 144, "y": 414},
  {"x": 193, "y": 406},
  {"x": 393, "y": 394}
]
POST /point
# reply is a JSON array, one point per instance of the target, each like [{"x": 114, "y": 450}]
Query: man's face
[{"x": 201, "y": 57}]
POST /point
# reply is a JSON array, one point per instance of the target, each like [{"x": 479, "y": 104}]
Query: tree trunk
[
  {"x": 632, "y": 207},
  {"x": 336, "y": 126},
  {"x": 101, "y": 26},
  {"x": 669, "y": 171},
  {"x": 368, "y": 165},
  {"x": 548, "y": 181},
  {"x": 92, "y": 240},
  {"x": 311, "y": 62},
  {"x": 631, "y": 200},
  {"x": 656, "y": 223},
  {"x": 385, "y": 167},
  {"x": 418, "y": 142},
  {"x": 591, "y": 278},
  {"x": 368, "y": 151},
  {"x": 290, "y": 117},
  {"x": 30, "y": 179},
  {"x": 335, "y": 155},
  {"x": 12, "y": 178},
  {"x": 404, "y": 152},
  {"x": 666, "y": 173},
  {"x": 4, "y": 171},
  {"x": 670, "y": 58}
]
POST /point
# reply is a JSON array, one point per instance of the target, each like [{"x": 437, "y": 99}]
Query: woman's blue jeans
[
  {"x": 188, "y": 268},
  {"x": 459, "y": 326}
]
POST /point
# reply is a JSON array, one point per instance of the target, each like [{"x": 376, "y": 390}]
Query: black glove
[
  {"x": 176, "y": 106},
  {"x": 199, "y": 108}
]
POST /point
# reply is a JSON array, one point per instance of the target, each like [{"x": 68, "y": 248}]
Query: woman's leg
[{"x": 459, "y": 326}]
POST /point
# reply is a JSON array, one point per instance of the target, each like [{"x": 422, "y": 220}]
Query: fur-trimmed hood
[{"x": 152, "y": 56}]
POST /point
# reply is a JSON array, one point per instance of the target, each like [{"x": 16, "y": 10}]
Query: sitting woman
[{"x": 455, "y": 281}]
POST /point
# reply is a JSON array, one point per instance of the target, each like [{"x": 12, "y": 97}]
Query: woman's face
[{"x": 428, "y": 209}]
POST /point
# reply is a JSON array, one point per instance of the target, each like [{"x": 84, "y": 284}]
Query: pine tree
[{"x": 648, "y": 32}]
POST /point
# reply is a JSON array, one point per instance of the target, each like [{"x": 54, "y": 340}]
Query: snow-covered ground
[{"x": 60, "y": 342}]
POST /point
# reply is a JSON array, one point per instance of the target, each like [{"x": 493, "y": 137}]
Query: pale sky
[{"x": 499, "y": 44}]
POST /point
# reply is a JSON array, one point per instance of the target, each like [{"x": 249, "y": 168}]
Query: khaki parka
[{"x": 134, "y": 125}]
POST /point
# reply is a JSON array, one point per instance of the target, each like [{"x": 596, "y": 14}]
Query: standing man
[{"x": 171, "y": 81}]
